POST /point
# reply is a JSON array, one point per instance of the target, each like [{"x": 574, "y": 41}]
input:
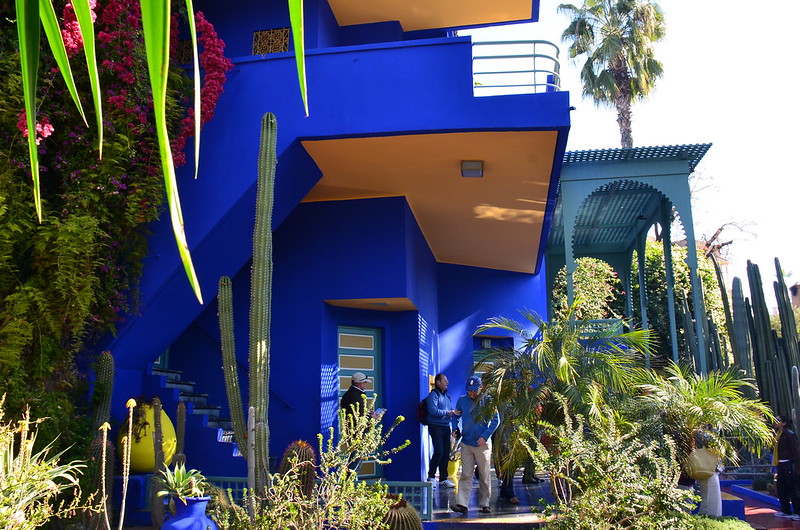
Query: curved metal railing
[{"x": 515, "y": 67}]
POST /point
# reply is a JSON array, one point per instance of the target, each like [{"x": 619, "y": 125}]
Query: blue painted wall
[{"x": 348, "y": 249}]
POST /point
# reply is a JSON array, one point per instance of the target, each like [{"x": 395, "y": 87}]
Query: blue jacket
[
  {"x": 471, "y": 429},
  {"x": 439, "y": 405}
]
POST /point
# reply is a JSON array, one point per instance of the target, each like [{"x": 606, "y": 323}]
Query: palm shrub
[
  {"x": 592, "y": 368},
  {"x": 34, "y": 486},
  {"x": 711, "y": 408},
  {"x": 605, "y": 477}
]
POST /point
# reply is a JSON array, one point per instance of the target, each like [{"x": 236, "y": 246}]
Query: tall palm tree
[{"x": 617, "y": 37}]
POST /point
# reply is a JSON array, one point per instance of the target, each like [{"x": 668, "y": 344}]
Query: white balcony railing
[{"x": 515, "y": 67}]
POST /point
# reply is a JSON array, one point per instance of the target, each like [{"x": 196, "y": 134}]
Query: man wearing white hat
[{"x": 354, "y": 400}]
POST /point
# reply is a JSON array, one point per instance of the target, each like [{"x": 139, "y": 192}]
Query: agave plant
[
  {"x": 181, "y": 483},
  {"x": 33, "y": 485}
]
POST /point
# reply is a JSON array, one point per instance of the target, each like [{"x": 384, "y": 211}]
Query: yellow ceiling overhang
[
  {"x": 493, "y": 222},
  {"x": 375, "y": 304},
  {"x": 416, "y": 15}
]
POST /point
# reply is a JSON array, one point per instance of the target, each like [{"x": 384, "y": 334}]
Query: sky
[{"x": 729, "y": 79}]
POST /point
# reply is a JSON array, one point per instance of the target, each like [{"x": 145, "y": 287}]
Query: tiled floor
[{"x": 530, "y": 496}]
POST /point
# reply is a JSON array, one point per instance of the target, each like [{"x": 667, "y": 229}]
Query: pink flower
[
  {"x": 43, "y": 128},
  {"x": 73, "y": 40}
]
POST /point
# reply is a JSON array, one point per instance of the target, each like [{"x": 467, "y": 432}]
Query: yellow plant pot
[
  {"x": 143, "y": 457},
  {"x": 453, "y": 468},
  {"x": 701, "y": 464}
]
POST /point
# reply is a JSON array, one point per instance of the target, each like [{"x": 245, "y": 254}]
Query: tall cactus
[
  {"x": 156, "y": 503},
  {"x": 740, "y": 335},
  {"x": 180, "y": 435},
  {"x": 103, "y": 388},
  {"x": 260, "y": 313},
  {"x": 786, "y": 312}
]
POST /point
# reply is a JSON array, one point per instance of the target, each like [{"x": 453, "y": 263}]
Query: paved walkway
[{"x": 761, "y": 515}]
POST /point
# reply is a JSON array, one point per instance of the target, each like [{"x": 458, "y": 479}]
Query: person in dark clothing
[
  {"x": 440, "y": 417},
  {"x": 786, "y": 459},
  {"x": 354, "y": 400}
]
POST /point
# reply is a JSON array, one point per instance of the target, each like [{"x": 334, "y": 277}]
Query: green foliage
[
  {"x": 761, "y": 482},
  {"x": 34, "y": 486},
  {"x": 597, "y": 288},
  {"x": 775, "y": 321},
  {"x": 656, "y": 286},
  {"x": 683, "y": 404},
  {"x": 707, "y": 522},
  {"x": 72, "y": 277},
  {"x": 605, "y": 478},
  {"x": 180, "y": 483},
  {"x": 338, "y": 499}
]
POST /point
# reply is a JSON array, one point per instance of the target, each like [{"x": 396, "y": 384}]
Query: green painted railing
[{"x": 417, "y": 494}]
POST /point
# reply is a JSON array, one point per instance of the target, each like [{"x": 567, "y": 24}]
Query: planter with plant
[{"x": 187, "y": 489}]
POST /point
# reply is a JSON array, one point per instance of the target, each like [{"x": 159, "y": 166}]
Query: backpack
[{"x": 422, "y": 411}]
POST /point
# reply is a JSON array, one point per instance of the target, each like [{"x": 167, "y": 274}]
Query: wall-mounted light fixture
[{"x": 472, "y": 168}]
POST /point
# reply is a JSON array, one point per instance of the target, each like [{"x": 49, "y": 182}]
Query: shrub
[
  {"x": 604, "y": 478},
  {"x": 33, "y": 486},
  {"x": 708, "y": 522}
]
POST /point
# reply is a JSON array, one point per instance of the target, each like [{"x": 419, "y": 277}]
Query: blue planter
[{"x": 190, "y": 515}]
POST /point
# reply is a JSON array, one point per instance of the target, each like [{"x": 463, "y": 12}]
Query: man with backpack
[{"x": 440, "y": 417}]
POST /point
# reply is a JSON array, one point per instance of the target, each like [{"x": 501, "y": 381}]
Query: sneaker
[
  {"x": 782, "y": 515},
  {"x": 512, "y": 500},
  {"x": 447, "y": 483},
  {"x": 485, "y": 509},
  {"x": 796, "y": 517},
  {"x": 460, "y": 508}
]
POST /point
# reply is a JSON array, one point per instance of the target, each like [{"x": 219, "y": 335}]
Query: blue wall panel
[{"x": 468, "y": 297}]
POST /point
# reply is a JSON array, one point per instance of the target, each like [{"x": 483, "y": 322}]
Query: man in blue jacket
[
  {"x": 440, "y": 416},
  {"x": 475, "y": 448}
]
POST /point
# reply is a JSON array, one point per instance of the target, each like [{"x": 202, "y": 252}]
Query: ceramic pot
[
  {"x": 189, "y": 515},
  {"x": 143, "y": 455},
  {"x": 701, "y": 464}
]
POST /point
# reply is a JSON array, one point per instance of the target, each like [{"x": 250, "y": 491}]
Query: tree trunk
[{"x": 624, "y": 117}]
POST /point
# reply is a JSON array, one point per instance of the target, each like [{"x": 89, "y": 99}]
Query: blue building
[{"x": 408, "y": 211}]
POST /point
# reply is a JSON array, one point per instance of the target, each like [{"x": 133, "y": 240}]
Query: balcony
[{"x": 515, "y": 67}]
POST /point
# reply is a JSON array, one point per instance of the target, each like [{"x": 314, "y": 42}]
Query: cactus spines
[
  {"x": 261, "y": 294},
  {"x": 402, "y": 516},
  {"x": 156, "y": 505},
  {"x": 102, "y": 455},
  {"x": 229, "y": 364},
  {"x": 104, "y": 386},
  {"x": 300, "y": 456},
  {"x": 260, "y": 315},
  {"x": 180, "y": 434}
]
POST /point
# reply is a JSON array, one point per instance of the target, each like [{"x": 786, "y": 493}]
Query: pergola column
[{"x": 666, "y": 224}]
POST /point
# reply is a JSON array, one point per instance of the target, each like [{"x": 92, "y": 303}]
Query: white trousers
[{"x": 470, "y": 456}]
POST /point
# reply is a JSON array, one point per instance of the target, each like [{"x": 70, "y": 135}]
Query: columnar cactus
[
  {"x": 300, "y": 454},
  {"x": 180, "y": 435},
  {"x": 786, "y": 312},
  {"x": 103, "y": 388},
  {"x": 402, "y": 516},
  {"x": 260, "y": 315},
  {"x": 156, "y": 504}
]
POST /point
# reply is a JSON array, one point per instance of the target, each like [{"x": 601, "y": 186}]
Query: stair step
[
  {"x": 225, "y": 436},
  {"x": 186, "y": 386},
  {"x": 171, "y": 375},
  {"x": 198, "y": 398},
  {"x": 219, "y": 423},
  {"x": 212, "y": 411}
]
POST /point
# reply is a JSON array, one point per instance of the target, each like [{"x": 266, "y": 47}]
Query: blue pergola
[{"x": 607, "y": 202}]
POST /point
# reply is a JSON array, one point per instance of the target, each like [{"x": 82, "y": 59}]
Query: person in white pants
[{"x": 476, "y": 448}]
